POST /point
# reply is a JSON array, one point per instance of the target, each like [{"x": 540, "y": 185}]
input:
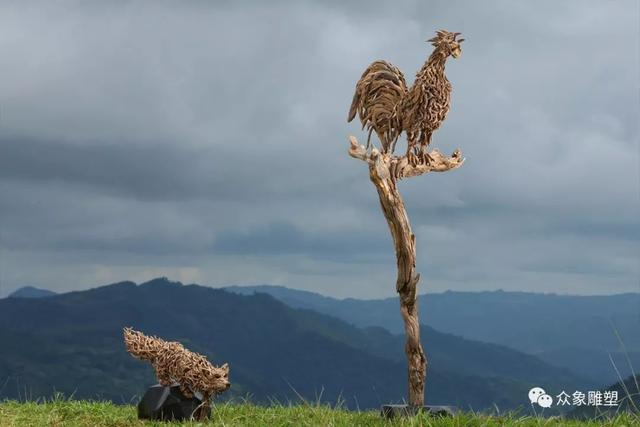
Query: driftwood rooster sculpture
[{"x": 385, "y": 105}]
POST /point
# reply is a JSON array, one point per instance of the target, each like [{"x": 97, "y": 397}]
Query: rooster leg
[
  {"x": 411, "y": 156},
  {"x": 369, "y": 139},
  {"x": 423, "y": 152}
]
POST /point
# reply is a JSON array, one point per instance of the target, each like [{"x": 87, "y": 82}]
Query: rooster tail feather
[
  {"x": 354, "y": 107},
  {"x": 377, "y": 97}
]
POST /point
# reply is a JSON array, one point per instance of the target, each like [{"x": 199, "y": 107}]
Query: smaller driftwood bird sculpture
[
  {"x": 174, "y": 363},
  {"x": 385, "y": 105}
]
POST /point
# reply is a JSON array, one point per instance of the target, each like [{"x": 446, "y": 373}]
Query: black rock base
[
  {"x": 167, "y": 403},
  {"x": 395, "y": 411}
]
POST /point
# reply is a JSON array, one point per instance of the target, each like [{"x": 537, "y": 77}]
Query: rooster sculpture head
[{"x": 446, "y": 42}]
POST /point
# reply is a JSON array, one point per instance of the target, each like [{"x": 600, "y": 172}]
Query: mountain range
[
  {"x": 31, "y": 292},
  {"x": 72, "y": 343},
  {"x": 597, "y": 337}
]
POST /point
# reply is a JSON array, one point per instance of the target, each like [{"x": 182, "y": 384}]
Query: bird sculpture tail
[
  {"x": 376, "y": 101},
  {"x": 141, "y": 346}
]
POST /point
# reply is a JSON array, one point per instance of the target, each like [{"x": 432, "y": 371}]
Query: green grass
[{"x": 61, "y": 412}]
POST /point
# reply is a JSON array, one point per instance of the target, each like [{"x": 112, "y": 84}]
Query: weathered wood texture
[
  {"x": 385, "y": 170},
  {"x": 174, "y": 363},
  {"x": 386, "y": 106}
]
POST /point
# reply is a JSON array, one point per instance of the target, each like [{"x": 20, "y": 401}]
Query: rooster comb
[{"x": 444, "y": 36}]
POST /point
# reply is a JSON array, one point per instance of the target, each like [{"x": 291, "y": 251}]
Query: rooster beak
[{"x": 456, "y": 53}]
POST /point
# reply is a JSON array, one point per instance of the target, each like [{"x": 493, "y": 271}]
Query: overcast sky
[{"x": 208, "y": 143}]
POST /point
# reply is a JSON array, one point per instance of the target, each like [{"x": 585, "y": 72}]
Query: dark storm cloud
[{"x": 207, "y": 142}]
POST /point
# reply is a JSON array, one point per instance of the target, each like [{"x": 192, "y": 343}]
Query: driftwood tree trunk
[
  {"x": 384, "y": 172},
  {"x": 407, "y": 280}
]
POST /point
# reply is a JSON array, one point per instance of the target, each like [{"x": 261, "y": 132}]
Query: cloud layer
[{"x": 207, "y": 142}]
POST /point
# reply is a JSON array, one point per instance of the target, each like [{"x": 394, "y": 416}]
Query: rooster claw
[{"x": 412, "y": 159}]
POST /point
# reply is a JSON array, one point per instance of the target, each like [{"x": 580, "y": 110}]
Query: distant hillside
[
  {"x": 594, "y": 363},
  {"x": 72, "y": 343},
  {"x": 575, "y": 332},
  {"x": 628, "y": 400},
  {"x": 31, "y": 292}
]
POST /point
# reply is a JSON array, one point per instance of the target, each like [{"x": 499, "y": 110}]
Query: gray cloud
[
  {"x": 207, "y": 142},
  {"x": 283, "y": 238}
]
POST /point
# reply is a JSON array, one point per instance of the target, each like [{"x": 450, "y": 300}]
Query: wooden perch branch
[
  {"x": 384, "y": 171},
  {"x": 400, "y": 167}
]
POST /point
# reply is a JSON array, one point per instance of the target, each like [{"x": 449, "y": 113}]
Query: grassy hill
[
  {"x": 575, "y": 332},
  {"x": 81, "y": 413},
  {"x": 72, "y": 343}
]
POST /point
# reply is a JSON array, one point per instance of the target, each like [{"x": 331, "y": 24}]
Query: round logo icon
[
  {"x": 545, "y": 401},
  {"x": 535, "y": 393}
]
